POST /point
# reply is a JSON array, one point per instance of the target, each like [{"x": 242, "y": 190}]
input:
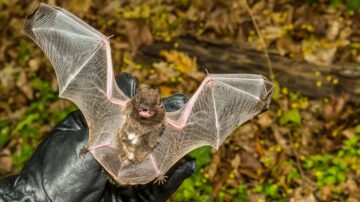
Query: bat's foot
[
  {"x": 84, "y": 150},
  {"x": 161, "y": 179}
]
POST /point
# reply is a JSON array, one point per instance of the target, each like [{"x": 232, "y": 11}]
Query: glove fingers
[
  {"x": 174, "y": 102},
  {"x": 73, "y": 122},
  {"x": 153, "y": 192},
  {"x": 127, "y": 84}
]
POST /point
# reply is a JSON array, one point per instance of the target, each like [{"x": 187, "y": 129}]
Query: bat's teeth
[{"x": 143, "y": 110}]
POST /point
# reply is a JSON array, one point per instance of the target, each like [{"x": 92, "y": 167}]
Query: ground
[{"x": 300, "y": 150}]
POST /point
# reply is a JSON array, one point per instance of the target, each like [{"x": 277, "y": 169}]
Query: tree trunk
[{"x": 298, "y": 76}]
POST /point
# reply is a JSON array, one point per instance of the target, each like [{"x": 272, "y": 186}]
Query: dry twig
[{"x": 272, "y": 76}]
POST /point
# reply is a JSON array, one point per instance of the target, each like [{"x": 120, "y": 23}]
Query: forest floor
[{"x": 300, "y": 150}]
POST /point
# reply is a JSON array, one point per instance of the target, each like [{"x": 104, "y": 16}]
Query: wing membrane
[
  {"x": 222, "y": 103},
  {"x": 81, "y": 58}
]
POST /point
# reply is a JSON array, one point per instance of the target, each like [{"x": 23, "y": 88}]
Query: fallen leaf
[
  {"x": 5, "y": 161},
  {"x": 333, "y": 30},
  {"x": 24, "y": 85},
  {"x": 138, "y": 33},
  {"x": 34, "y": 64},
  {"x": 265, "y": 119},
  {"x": 321, "y": 56}
]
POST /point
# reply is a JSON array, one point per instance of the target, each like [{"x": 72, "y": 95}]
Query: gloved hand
[{"x": 55, "y": 172}]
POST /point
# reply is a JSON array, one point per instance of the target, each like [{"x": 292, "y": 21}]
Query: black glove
[{"x": 55, "y": 171}]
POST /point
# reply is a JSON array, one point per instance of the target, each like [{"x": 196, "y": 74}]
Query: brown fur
[{"x": 146, "y": 131}]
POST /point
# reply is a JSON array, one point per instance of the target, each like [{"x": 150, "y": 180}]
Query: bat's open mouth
[{"x": 145, "y": 113}]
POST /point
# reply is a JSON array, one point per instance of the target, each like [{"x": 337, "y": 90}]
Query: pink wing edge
[{"x": 109, "y": 86}]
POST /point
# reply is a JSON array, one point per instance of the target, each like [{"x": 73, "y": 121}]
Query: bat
[
  {"x": 81, "y": 57},
  {"x": 142, "y": 128}
]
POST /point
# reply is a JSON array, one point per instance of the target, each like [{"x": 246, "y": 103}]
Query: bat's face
[{"x": 147, "y": 103}]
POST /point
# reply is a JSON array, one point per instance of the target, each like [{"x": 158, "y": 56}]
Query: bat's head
[{"x": 147, "y": 104}]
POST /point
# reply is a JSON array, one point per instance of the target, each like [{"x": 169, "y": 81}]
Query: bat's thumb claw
[{"x": 83, "y": 151}]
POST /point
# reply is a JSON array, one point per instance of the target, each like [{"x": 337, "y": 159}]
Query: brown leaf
[
  {"x": 259, "y": 148},
  {"x": 306, "y": 198},
  {"x": 110, "y": 7},
  {"x": 59, "y": 105},
  {"x": 213, "y": 167},
  {"x": 5, "y": 161},
  {"x": 325, "y": 192},
  {"x": 80, "y": 7},
  {"x": 257, "y": 197},
  {"x": 7, "y": 78},
  {"x": 265, "y": 119},
  {"x": 236, "y": 161},
  {"x": 286, "y": 45},
  {"x": 322, "y": 56},
  {"x": 280, "y": 134},
  {"x": 138, "y": 33},
  {"x": 350, "y": 132},
  {"x": 248, "y": 160},
  {"x": 272, "y": 32},
  {"x": 345, "y": 33},
  {"x": 24, "y": 85},
  {"x": 333, "y": 30},
  {"x": 335, "y": 106},
  {"x": 34, "y": 64},
  {"x": 249, "y": 172}
]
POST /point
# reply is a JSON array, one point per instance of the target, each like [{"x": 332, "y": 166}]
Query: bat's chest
[
  {"x": 134, "y": 134},
  {"x": 132, "y": 138}
]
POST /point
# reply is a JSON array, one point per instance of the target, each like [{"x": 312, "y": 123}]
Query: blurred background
[{"x": 305, "y": 148}]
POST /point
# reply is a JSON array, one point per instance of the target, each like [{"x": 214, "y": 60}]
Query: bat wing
[
  {"x": 221, "y": 103},
  {"x": 81, "y": 58}
]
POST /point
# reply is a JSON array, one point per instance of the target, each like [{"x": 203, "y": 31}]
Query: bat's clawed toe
[
  {"x": 84, "y": 150},
  {"x": 161, "y": 179}
]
